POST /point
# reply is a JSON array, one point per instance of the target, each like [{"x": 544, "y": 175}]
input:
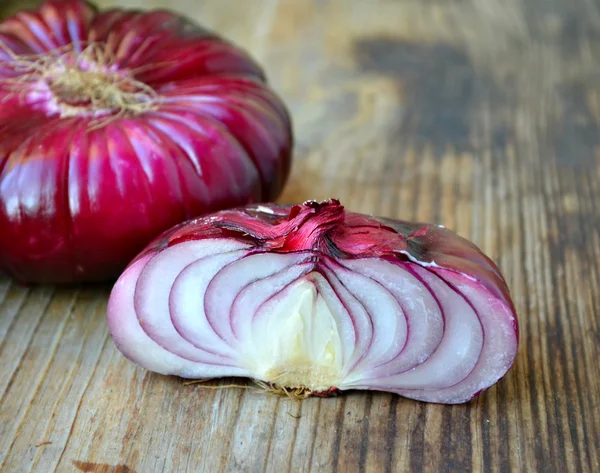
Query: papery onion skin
[
  {"x": 409, "y": 308},
  {"x": 77, "y": 203}
]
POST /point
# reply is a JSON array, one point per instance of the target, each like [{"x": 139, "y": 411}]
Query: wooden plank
[{"x": 483, "y": 116}]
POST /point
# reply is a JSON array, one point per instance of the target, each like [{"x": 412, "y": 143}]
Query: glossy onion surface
[
  {"x": 84, "y": 188},
  {"x": 316, "y": 298}
]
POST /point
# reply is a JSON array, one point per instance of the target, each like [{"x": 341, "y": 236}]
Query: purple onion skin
[
  {"x": 78, "y": 203},
  {"x": 329, "y": 229},
  {"x": 331, "y": 233}
]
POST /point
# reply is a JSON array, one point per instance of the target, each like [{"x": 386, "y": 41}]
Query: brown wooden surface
[{"x": 481, "y": 115}]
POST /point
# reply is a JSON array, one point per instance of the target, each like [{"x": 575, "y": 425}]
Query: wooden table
[{"x": 481, "y": 115}]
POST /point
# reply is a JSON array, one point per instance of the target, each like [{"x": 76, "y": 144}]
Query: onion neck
[
  {"x": 310, "y": 223},
  {"x": 304, "y": 228}
]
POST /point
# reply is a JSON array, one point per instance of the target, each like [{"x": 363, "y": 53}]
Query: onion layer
[
  {"x": 320, "y": 300},
  {"x": 117, "y": 125}
]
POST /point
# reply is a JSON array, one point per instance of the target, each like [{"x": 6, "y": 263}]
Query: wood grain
[{"x": 483, "y": 116}]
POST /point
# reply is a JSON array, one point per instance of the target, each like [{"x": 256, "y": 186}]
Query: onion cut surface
[
  {"x": 314, "y": 298},
  {"x": 116, "y": 125}
]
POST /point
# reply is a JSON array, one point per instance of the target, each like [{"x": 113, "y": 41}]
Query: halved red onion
[
  {"x": 314, "y": 298},
  {"x": 116, "y": 125}
]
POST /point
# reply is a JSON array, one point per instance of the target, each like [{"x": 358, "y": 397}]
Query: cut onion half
[{"x": 313, "y": 299}]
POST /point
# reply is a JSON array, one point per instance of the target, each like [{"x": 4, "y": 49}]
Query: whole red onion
[
  {"x": 116, "y": 125},
  {"x": 312, "y": 299}
]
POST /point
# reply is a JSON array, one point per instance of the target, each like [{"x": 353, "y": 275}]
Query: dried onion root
[{"x": 76, "y": 82}]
